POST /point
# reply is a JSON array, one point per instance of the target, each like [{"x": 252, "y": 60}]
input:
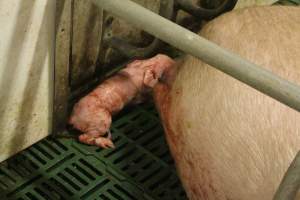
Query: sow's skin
[{"x": 230, "y": 141}]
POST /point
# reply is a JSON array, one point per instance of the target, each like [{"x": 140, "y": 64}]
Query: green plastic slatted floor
[{"x": 140, "y": 167}]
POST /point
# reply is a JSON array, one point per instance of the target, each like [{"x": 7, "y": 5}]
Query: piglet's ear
[{"x": 150, "y": 78}]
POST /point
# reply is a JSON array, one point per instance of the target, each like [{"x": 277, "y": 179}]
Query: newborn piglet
[{"x": 93, "y": 114}]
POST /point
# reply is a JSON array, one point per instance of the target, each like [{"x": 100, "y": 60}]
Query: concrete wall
[{"x": 26, "y": 72}]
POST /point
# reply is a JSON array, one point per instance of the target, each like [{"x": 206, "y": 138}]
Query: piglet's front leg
[
  {"x": 93, "y": 120},
  {"x": 92, "y": 114}
]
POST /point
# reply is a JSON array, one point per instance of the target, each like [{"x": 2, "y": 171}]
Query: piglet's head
[
  {"x": 89, "y": 118},
  {"x": 149, "y": 71},
  {"x": 156, "y": 68}
]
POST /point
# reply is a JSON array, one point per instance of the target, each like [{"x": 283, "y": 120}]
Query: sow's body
[{"x": 230, "y": 141}]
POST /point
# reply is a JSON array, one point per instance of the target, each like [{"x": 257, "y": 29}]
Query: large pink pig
[{"x": 229, "y": 141}]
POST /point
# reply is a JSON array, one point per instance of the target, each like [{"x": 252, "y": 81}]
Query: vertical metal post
[
  {"x": 62, "y": 63},
  {"x": 290, "y": 183}
]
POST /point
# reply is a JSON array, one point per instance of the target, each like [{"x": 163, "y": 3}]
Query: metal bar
[
  {"x": 166, "y": 10},
  {"x": 290, "y": 183},
  {"x": 62, "y": 64},
  {"x": 210, "y": 53},
  {"x": 203, "y": 13}
]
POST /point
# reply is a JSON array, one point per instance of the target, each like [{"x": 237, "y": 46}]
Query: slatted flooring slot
[
  {"x": 154, "y": 171},
  {"x": 130, "y": 160},
  {"x": 30, "y": 157},
  {"x": 37, "y": 156},
  {"x": 80, "y": 175},
  {"x": 113, "y": 195},
  {"x": 3, "y": 185},
  {"x": 97, "y": 187},
  {"x": 44, "y": 193},
  {"x": 90, "y": 167},
  {"x": 42, "y": 155},
  {"x": 33, "y": 196},
  {"x": 124, "y": 154},
  {"x": 60, "y": 187},
  {"x": 160, "y": 181},
  {"x": 84, "y": 173},
  {"x": 48, "y": 154},
  {"x": 7, "y": 174},
  {"x": 75, "y": 178},
  {"x": 125, "y": 193},
  {"x": 151, "y": 138},
  {"x": 50, "y": 147},
  {"x": 113, "y": 152},
  {"x": 26, "y": 198},
  {"x": 68, "y": 180},
  {"x": 104, "y": 197},
  {"x": 31, "y": 166},
  {"x": 19, "y": 170},
  {"x": 58, "y": 144}
]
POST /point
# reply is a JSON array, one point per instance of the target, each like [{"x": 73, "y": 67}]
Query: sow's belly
[{"x": 230, "y": 141}]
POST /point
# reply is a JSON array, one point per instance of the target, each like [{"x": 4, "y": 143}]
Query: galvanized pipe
[
  {"x": 290, "y": 183},
  {"x": 210, "y": 53}
]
